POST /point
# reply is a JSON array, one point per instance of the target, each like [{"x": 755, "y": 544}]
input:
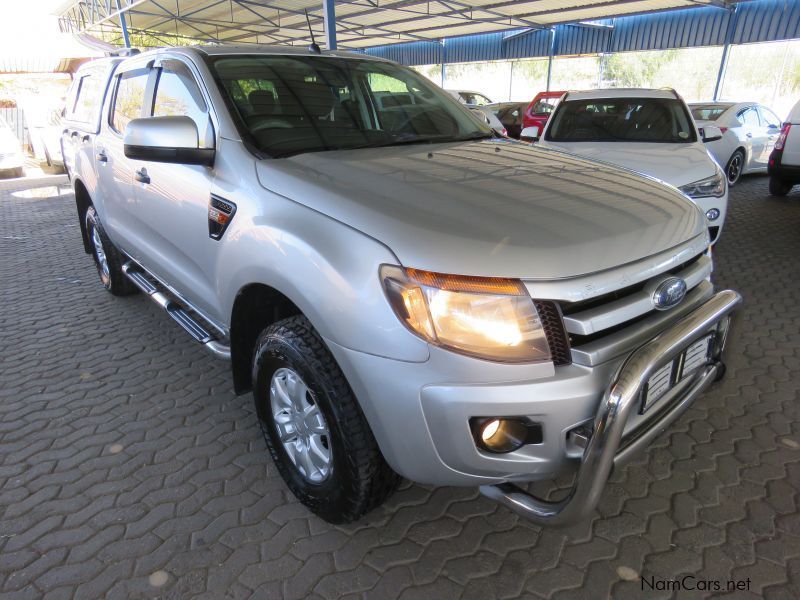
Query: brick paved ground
[{"x": 129, "y": 469}]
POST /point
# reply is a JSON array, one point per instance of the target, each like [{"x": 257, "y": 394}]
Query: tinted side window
[
  {"x": 177, "y": 94},
  {"x": 85, "y": 104},
  {"x": 749, "y": 117},
  {"x": 129, "y": 98}
]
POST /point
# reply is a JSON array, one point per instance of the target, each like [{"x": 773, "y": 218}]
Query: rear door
[
  {"x": 173, "y": 202},
  {"x": 82, "y": 120},
  {"x": 131, "y": 87}
]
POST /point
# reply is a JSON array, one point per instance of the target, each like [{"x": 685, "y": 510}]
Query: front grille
[
  {"x": 569, "y": 308},
  {"x": 553, "y": 326},
  {"x": 605, "y": 326}
]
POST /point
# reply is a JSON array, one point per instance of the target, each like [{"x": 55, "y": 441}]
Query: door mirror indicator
[{"x": 166, "y": 139}]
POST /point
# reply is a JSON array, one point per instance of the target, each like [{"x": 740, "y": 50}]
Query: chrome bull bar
[{"x": 603, "y": 449}]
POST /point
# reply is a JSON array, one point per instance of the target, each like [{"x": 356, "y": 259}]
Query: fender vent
[
  {"x": 220, "y": 215},
  {"x": 553, "y": 326}
]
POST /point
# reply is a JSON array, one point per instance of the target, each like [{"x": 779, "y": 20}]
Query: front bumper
[{"x": 606, "y": 447}]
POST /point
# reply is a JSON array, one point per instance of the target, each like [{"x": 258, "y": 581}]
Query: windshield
[
  {"x": 662, "y": 120},
  {"x": 544, "y": 106},
  {"x": 294, "y": 104},
  {"x": 709, "y": 112}
]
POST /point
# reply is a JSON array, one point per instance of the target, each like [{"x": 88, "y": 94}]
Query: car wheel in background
[
  {"x": 734, "y": 168},
  {"x": 316, "y": 433},
  {"x": 107, "y": 258},
  {"x": 778, "y": 187}
]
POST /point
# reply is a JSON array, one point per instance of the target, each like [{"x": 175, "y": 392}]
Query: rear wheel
[
  {"x": 316, "y": 433},
  {"x": 107, "y": 258},
  {"x": 734, "y": 168},
  {"x": 778, "y": 187}
]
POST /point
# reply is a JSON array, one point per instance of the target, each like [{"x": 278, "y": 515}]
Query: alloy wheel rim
[
  {"x": 734, "y": 169},
  {"x": 99, "y": 252},
  {"x": 302, "y": 429}
]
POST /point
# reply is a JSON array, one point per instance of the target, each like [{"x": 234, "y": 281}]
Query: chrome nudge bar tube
[{"x": 603, "y": 448}]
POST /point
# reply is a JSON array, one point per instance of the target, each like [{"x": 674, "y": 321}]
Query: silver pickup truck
[{"x": 404, "y": 292}]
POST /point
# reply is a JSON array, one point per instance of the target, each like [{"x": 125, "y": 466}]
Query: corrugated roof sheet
[{"x": 757, "y": 21}]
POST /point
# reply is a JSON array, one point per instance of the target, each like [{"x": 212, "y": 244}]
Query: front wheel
[
  {"x": 107, "y": 258},
  {"x": 734, "y": 168},
  {"x": 315, "y": 430},
  {"x": 778, "y": 187}
]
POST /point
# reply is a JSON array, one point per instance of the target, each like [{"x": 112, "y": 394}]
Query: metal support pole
[
  {"x": 550, "y": 56},
  {"x": 124, "y": 25},
  {"x": 444, "y": 61},
  {"x": 329, "y": 14},
  {"x": 723, "y": 63}
]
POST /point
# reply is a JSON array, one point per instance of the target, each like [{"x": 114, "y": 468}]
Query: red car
[{"x": 539, "y": 109}]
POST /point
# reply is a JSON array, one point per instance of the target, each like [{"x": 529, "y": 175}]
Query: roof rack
[{"x": 124, "y": 52}]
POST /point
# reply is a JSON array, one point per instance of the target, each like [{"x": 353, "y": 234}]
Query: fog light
[
  {"x": 500, "y": 435},
  {"x": 712, "y": 214}
]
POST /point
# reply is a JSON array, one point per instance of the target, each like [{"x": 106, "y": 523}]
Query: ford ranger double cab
[{"x": 404, "y": 293}]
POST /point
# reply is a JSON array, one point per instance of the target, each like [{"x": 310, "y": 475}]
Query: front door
[{"x": 173, "y": 199}]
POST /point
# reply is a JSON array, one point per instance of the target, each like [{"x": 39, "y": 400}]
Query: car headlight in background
[
  {"x": 709, "y": 187},
  {"x": 485, "y": 317}
]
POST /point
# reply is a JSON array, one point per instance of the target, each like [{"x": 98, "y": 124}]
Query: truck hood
[
  {"x": 677, "y": 164},
  {"x": 491, "y": 208}
]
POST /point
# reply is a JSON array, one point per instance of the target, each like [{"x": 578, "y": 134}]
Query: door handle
[
  {"x": 102, "y": 156},
  {"x": 749, "y": 135},
  {"x": 141, "y": 175}
]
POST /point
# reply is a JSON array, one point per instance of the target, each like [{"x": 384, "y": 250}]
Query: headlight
[
  {"x": 488, "y": 318},
  {"x": 708, "y": 187}
]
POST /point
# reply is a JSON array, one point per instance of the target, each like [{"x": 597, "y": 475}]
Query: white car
[
  {"x": 486, "y": 115},
  {"x": 644, "y": 130},
  {"x": 749, "y": 131},
  {"x": 469, "y": 97},
  {"x": 11, "y": 159}
]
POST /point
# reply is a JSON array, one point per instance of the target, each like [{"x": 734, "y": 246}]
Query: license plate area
[{"x": 696, "y": 355}]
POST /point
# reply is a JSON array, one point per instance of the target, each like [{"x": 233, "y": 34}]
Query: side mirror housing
[
  {"x": 530, "y": 134},
  {"x": 166, "y": 139},
  {"x": 711, "y": 134}
]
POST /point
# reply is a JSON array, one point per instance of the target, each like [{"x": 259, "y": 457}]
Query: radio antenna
[{"x": 314, "y": 47}]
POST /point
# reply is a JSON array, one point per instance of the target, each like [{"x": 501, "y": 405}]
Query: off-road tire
[
  {"x": 360, "y": 479},
  {"x": 115, "y": 282},
  {"x": 778, "y": 187}
]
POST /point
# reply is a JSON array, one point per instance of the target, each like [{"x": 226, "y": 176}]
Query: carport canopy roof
[{"x": 359, "y": 23}]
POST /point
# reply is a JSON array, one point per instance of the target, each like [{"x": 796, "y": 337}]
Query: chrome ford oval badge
[{"x": 669, "y": 293}]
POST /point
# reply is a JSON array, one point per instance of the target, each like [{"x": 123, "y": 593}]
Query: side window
[
  {"x": 128, "y": 98},
  {"x": 177, "y": 95},
  {"x": 83, "y": 101},
  {"x": 749, "y": 117},
  {"x": 769, "y": 118}
]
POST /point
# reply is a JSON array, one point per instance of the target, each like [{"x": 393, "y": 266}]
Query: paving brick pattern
[{"x": 129, "y": 469}]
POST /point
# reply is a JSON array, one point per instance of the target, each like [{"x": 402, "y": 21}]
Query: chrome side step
[{"x": 178, "y": 314}]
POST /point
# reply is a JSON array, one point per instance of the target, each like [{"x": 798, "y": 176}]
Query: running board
[{"x": 178, "y": 314}]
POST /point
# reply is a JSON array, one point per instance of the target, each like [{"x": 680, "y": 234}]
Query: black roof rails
[{"x": 124, "y": 52}]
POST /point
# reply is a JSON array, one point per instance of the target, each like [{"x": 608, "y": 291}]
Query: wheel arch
[
  {"x": 255, "y": 307},
  {"x": 82, "y": 203}
]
